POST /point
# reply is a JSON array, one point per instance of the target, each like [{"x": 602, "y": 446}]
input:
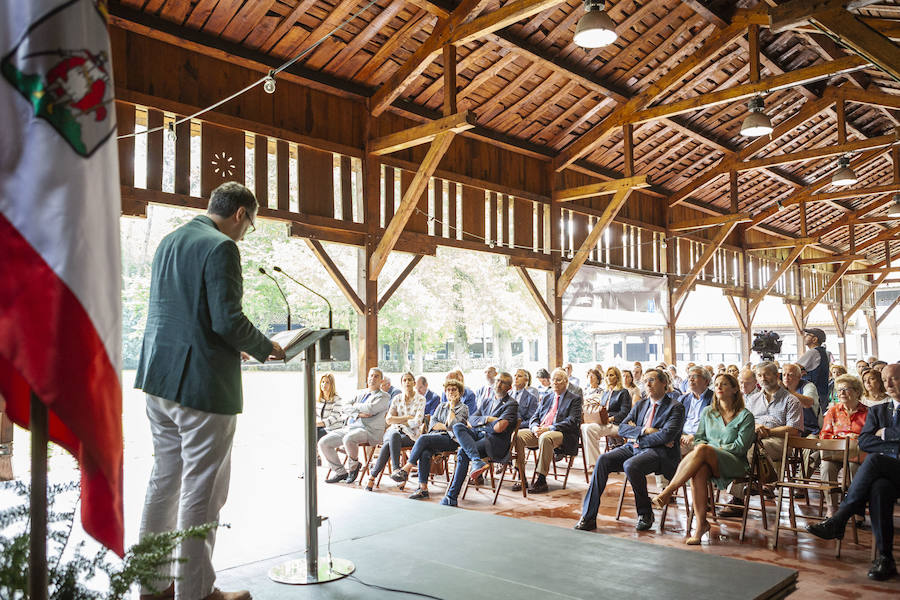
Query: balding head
[{"x": 891, "y": 377}]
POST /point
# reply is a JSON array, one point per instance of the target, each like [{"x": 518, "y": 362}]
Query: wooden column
[
  {"x": 367, "y": 323},
  {"x": 670, "y": 350},
  {"x": 872, "y": 322},
  {"x": 841, "y": 324},
  {"x": 555, "y": 329}
]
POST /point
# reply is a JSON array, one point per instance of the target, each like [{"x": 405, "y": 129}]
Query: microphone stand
[
  {"x": 306, "y": 287},
  {"x": 286, "y": 303}
]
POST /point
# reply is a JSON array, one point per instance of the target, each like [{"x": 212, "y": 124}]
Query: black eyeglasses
[{"x": 249, "y": 218}]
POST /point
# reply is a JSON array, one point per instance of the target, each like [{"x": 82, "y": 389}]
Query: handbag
[
  {"x": 595, "y": 413},
  {"x": 838, "y": 456}
]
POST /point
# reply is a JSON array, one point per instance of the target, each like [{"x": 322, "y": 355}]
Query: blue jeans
[
  {"x": 427, "y": 446},
  {"x": 876, "y": 483},
  {"x": 636, "y": 467},
  {"x": 471, "y": 447}
]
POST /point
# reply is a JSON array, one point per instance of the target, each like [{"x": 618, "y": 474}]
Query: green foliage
[
  {"x": 578, "y": 349},
  {"x": 71, "y": 573}
]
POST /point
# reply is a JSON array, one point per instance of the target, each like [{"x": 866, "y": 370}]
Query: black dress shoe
[
  {"x": 517, "y": 486},
  {"x": 829, "y": 529},
  {"x": 351, "y": 476},
  {"x": 586, "y": 525},
  {"x": 645, "y": 522},
  {"x": 731, "y": 511},
  {"x": 539, "y": 487},
  {"x": 336, "y": 477},
  {"x": 883, "y": 567}
]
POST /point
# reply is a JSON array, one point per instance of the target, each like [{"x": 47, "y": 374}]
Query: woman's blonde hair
[
  {"x": 854, "y": 382},
  {"x": 620, "y": 381},
  {"x": 330, "y": 378}
]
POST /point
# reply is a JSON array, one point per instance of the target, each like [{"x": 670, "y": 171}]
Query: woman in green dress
[{"x": 720, "y": 450}]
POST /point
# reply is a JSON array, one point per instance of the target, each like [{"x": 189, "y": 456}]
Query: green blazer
[{"x": 196, "y": 326}]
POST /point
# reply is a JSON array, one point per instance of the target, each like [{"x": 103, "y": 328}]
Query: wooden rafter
[
  {"x": 535, "y": 293},
  {"x": 866, "y": 295},
  {"x": 422, "y": 134},
  {"x": 781, "y": 270},
  {"x": 319, "y": 251},
  {"x": 877, "y": 48},
  {"x": 581, "y": 255},
  {"x": 704, "y": 222},
  {"x": 436, "y": 151},
  {"x": 701, "y": 263},
  {"x": 888, "y": 311},
  {"x": 832, "y": 281},
  {"x": 817, "y": 153},
  {"x": 599, "y": 189},
  {"x": 824, "y": 260},
  {"x": 399, "y": 280},
  {"x": 874, "y": 270},
  {"x": 773, "y": 245}
]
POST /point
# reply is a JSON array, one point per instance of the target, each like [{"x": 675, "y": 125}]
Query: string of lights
[{"x": 267, "y": 81}]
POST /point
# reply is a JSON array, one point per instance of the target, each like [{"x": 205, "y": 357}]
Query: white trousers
[
  {"x": 350, "y": 439},
  {"x": 593, "y": 434},
  {"x": 188, "y": 486}
]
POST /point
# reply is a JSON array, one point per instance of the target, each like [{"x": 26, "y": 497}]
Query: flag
[{"x": 60, "y": 265}]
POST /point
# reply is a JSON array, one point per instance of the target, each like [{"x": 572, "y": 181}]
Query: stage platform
[{"x": 455, "y": 553}]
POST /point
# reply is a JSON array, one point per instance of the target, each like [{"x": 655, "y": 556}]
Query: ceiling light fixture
[
  {"x": 595, "y": 29},
  {"x": 756, "y": 123},
  {"x": 894, "y": 210},
  {"x": 844, "y": 175}
]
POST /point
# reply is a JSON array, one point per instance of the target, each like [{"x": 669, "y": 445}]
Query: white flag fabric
[{"x": 60, "y": 263}]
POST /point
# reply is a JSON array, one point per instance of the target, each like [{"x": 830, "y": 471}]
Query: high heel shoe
[
  {"x": 695, "y": 540},
  {"x": 658, "y": 502},
  {"x": 371, "y": 484}
]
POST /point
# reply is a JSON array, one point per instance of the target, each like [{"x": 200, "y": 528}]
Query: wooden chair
[
  {"x": 751, "y": 482},
  {"x": 788, "y": 481},
  {"x": 404, "y": 451},
  {"x": 508, "y": 461},
  {"x": 665, "y": 510}
]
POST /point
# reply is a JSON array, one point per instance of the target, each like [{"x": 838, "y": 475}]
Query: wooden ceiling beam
[
  {"x": 817, "y": 153},
  {"x": 416, "y": 23},
  {"x": 873, "y": 190},
  {"x": 824, "y": 260},
  {"x": 878, "y": 49},
  {"x": 711, "y": 247},
  {"x": 422, "y": 134},
  {"x": 799, "y": 242},
  {"x": 786, "y": 264},
  {"x": 871, "y": 97},
  {"x": 866, "y": 295},
  {"x": 704, "y": 222},
  {"x": 832, "y": 281},
  {"x": 599, "y": 189}
]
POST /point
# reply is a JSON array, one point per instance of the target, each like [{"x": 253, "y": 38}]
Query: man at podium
[{"x": 190, "y": 369}]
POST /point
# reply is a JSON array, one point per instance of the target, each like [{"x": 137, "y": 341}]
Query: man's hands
[
  {"x": 439, "y": 427},
  {"x": 245, "y": 357},
  {"x": 490, "y": 419},
  {"x": 650, "y": 430},
  {"x": 687, "y": 439},
  {"x": 277, "y": 352},
  {"x": 762, "y": 432},
  {"x": 539, "y": 431}
]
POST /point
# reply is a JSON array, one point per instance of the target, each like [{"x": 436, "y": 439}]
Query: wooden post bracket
[
  {"x": 316, "y": 247},
  {"x": 399, "y": 280}
]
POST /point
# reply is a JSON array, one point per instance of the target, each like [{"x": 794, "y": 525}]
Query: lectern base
[{"x": 293, "y": 572}]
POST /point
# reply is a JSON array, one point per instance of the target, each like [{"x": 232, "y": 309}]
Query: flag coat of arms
[{"x": 60, "y": 263}]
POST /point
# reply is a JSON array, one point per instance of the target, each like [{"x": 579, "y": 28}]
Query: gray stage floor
[{"x": 455, "y": 553}]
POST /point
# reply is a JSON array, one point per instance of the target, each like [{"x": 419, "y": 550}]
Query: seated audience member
[
  {"x": 733, "y": 370},
  {"x": 617, "y": 401},
  {"x": 593, "y": 387},
  {"x": 468, "y": 396},
  {"x": 675, "y": 379},
  {"x": 329, "y": 407},
  {"x": 440, "y": 438},
  {"x": 554, "y": 425},
  {"x": 875, "y": 393},
  {"x": 879, "y": 365},
  {"x": 599, "y": 368},
  {"x": 843, "y": 420},
  {"x": 684, "y": 382},
  {"x": 527, "y": 400},
  {"x": 721, "y": 445},
  {"x": 805, "y": 393},
  {"x": 388, "y": 388},
  {"x": 543, "y": 377},
  {"x": 836, "y": 371},
  {"x": 486, "y": 435},
  {"x": 628, "y": 384},
  {"x": 877, "y": 481},
  {"x": 776, "y": 412},
  {"x": 747, "y": 381},
  {"x": 638, "y": 373},
  {"x": 432, "y": 400},
  {"x": 365, "y": 425},
  {"x": 572, "y": 379},
  {"x": 486, "y": 392},
  {"x": 861, "y": 365},
  {"x": 720, "y": 369},
  {"x": 651, "y": 427},
  {"x": 698, "y": 397},
  {"x": 404, "y": 426}
]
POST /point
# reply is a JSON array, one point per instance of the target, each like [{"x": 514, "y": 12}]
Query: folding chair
[
  {"x": 507, "y": 462},
  {"x": 665, "y": 510},
  {"x": 752, "y": 481},
  {"x": 789, "y": 481},
  {"x": 404, "y": 451}
]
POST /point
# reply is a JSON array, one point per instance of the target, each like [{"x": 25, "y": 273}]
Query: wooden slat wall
[
  {"x": 523, "y": 216},
  {"x": 580, "y": 223},
  {"x": 491, "y": 221},
  {"x": 261, "y": 169},
  {"x": 315, "y": 182},
  {"x": 616, "y": 252},
  {"x": 388, "y": 211},
  {"x": 154, "y": 150},
  {"x": 221, "y": 157},
  {"x": 125, "y": 124},
  {"x": 503, "y": 206},
  {"x": 438, "y": 195},
  {"x": 473, "y": 222},
  {"x": 418, "y": 221},
  {"x": 453, "y": 225},
  {"x": 182, "y": 157},
  {"x": 283, "y": 156}
]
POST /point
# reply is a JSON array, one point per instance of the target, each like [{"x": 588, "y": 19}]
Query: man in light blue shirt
[{"x": 698, "y": 397}]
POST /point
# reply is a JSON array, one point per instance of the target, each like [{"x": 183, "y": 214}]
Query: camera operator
[{"x": 816, "y": 361}]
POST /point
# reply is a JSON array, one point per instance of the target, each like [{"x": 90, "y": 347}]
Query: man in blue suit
[
  {"x": 652, "y": 429},
  {"x": 432, "y": 400},
  {"x": 486, "y": 435},
  {"x": 877, "y": 482},
  {"x": 556, "y": 424},
  {"x": 522, "y": 394},
  {"x": 468, "y": 397},
  {"x": 698, "y": 397}
]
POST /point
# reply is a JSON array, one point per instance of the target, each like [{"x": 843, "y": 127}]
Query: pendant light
[
  {"x": 756, "y": 123},
  {"x": 894, "y": 210},
  {"x": 844, "y": 175},
  {"x": 595, "y": 29}
]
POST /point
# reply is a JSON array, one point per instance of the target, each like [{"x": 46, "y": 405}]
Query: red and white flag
[{"x": 60, "y": 302}]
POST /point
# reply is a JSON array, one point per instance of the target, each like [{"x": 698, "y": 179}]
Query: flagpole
[{"x": 37, "y": 573}]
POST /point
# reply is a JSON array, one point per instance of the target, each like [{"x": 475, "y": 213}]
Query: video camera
[{"x": 767, "y": 344}]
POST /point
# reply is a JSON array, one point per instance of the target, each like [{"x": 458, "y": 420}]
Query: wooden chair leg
[
  {"x": 778, "y": 516},
  {"x": 568, "y": 469},
  {"x": 621, "y": 498},
  {"x": 746, "y": 510},
  {"x": 584, "y": 461}
]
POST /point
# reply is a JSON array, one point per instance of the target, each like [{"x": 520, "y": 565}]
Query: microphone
[
  {"x": 287, "y": 305},
  {"x": 306, "y": 287}
]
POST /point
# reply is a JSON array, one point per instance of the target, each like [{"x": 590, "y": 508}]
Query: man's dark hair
[
  {"x": 228, "y": 197},
  {"x": 542, "y": 374}
]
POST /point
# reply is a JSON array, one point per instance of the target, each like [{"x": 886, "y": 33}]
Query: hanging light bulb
[
  {"x": 894, "y": 210},
  {"x": 595, "y": 29},
  {"x": 269, "y": 83},
  {"x": 844, "y": 175},
  {"x": 756, "y": 123},
  {"x": 171, "y": 132}
]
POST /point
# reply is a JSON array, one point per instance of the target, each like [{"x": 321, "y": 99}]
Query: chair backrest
[
  {"x": 794, "y": 443},
  {"x": 425, "y": 421}
]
